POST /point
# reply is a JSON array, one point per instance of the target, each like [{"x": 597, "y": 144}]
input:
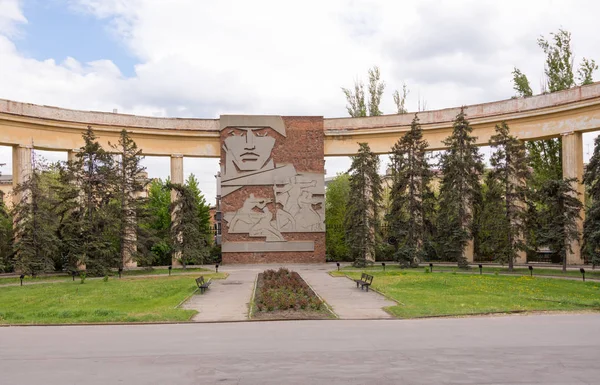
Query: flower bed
[{"x": 284, "y": 294}]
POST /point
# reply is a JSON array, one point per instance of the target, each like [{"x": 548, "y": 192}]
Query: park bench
[
  {"x": 202, "y": 284},
  {"x": 364, "y": 281}
]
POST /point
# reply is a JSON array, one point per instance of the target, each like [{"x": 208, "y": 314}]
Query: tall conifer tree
[
  {"x": 410, "y": 192},
  {"x": 93, "y": 172},
  {"x": 362, "y": 219},
  {"x": 591, "y": 225},
  {"x": 189, "y": 241},
  {"x": 461, "y": 166},
  {"x": 561, "y": 210},
  {"x": 129, "y": 184},
  {"x": 35, "y": 224},
  {"x": 511, "y": 172}
]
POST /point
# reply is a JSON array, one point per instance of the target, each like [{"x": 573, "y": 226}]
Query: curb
[{"x": 251, "y": 303}]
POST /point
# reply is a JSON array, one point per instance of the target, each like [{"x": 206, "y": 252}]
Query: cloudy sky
[{"x": 196, "y": 58}]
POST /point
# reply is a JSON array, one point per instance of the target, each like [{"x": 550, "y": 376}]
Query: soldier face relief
[{"x": 249, "y": 148}]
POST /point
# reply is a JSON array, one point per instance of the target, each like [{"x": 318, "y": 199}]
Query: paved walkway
[
  {"x": 347, "y": 301},
  {"x": 541, "y": 349},
  {"x": 226, "y": 299}
]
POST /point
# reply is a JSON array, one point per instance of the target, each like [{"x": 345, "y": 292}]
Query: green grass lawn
[
  {"x": 126, "y": 273},
  {"x": 445, "y": 294},
  {"x": 117, "y": 300},
  {"x": 392, "y": 266}
]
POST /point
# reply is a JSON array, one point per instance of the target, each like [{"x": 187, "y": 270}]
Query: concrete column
[
  {"x": 470, "y": 251},
  {"x": 176, "y": 177},
  {"x": 521, "y": 257},
  {"x": 572, "y": 164},
  {"x": 72, "y": 155},
  {"x": 21, "y": 168}
]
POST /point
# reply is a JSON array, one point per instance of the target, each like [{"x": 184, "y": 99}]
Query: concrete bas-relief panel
[{"x": 272, "y": 189}]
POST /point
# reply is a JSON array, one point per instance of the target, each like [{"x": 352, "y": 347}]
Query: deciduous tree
[
  {"x": 400, "y": 100},
  {"x": 376, "y": 87},
  {"x": 336, "y": 205},
  {"x": 357, "y": 107}
]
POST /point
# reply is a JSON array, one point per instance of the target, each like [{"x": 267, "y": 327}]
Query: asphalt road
[{"x": 547, "y": 349}]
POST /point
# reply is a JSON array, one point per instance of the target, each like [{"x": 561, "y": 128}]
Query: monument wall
[{"x": 272, "y": 189}]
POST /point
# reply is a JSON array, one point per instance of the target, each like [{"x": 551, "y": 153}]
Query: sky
[{"x": 196, "y": 58}]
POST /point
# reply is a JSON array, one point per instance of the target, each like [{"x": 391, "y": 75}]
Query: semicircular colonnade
[{"x": 567, "y": 113}]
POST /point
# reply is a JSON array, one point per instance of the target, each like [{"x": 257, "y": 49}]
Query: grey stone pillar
[
  {"x": 176, "y": 177},
  {"x": 572, "y": 164}
]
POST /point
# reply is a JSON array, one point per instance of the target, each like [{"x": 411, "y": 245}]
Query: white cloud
[
  {"x": 10, "y": 16},
  {"x": 205, "y": 58}
]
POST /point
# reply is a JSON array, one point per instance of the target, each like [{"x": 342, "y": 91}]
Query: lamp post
[
  {"x": 170, "y": 268},
  {"x": 431, "y": 267},
  {"x": 338, "y": 265},
  {"x": 480, "y": 269},
  {"x": 531, "y": 270},
  {"x": 73, "y": 275},
  {"x": 383, "y": 265},
  {"x": 120, "y": 272},
  {"x": 217, "y": 268},
  {"x": 22, "y": 277},
  {"x": 582, "y": 271}
]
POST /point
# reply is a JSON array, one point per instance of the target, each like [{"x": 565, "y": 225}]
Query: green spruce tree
[
  {"x": 362, "y": 216},
  {"x": 411, "y": 176},
  {"x": 461, "y": 166},
  {"x": 35, "y": 224},
  {"x": 561, "y": 211},
  {"x": 591, "y": 225},
  {"x": 511, "y": 172},
  {"x": 490, "y": 232},
  {"x": 189, "y": 242},
  {"x": 203, "y": 207},
  {"x": 129, "y": 184},
  {"x": 96, "y": 238}
]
